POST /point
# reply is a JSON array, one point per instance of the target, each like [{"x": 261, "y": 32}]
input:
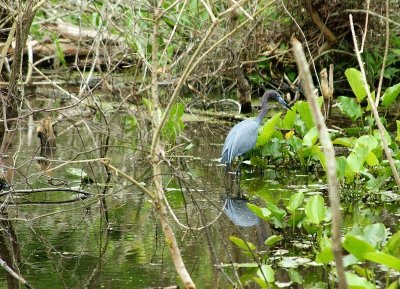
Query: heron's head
[{"x": 273, "y": 94}]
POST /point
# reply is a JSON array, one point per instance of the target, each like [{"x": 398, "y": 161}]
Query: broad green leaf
[
  {"x": 390, "y": 95},
  {"x": 266, "y": 272},
  {"x": 349, "y": 106},
  {"x": 341, "y": 164},
  {"x": 384, "y": 259},
  {"x": 295, "y": 201},
  {"x": 344, "y": 141},
  {"x": 174, "y": 125},
  {"x": 247, "y": 246},
  {"x": 375, "y": 234},
  {"x": 315, "y": 209},
  {"x": 304, "y": 111},
  {"x": 288, "y": 120},
  {"x": 262, "y": 213},
  {"x": 325, "y": 256},
  {"x": 272, "y": 240},
  {"x": 356, "y": 282},
  {"x": 357, "y": 247},
  {"x": 295, "y": 276},
  {"x": 311, "y": 137},
  {"x": 363, "y": 146},
  {"x": 398, "y": 130},
  {"x": 371, "y": 159},
  {"x": 354, "y": 77},
  {"x": 276, "y": 212},
  {"x": 267, "y": 130},
  {"x": 393, "y": 245}
]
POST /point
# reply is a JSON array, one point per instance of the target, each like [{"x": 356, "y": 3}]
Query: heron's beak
[{"x": 283, "y": 102}]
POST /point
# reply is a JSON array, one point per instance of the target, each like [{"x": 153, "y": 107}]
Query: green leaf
[
  {"x": 356, "y": 282},
  {"x": 325, "y": 256},
  {"x": 262, "y": 213},
  {"x": 357, "y": 247},
  {"x": 354, "y": 77},
  {"x": 315, "y": 209},
  {"x": 390, "y": 95},
  {"x": 384, "y": 259},
  {"x": 276, "y": 212},
  {"x": 375, "y": 234},
  {"x": 393, "y": 245},
  {"x": 363, "y": 146},
  {"x": 266, "y": 273},
  {"x": 349, "y": 106},
  {"x": 247, "y": 246},
  {"x": 288, "y": 120},
  {"x": 295, "y": 276},
  {"x": 341, "y": 164},
  {"x": 174, "y": 125},
  {"x": 398, "y": 130},
  {"x": 295, "y": 201},
  {"x": 371, "y": 159},
  {"x": 304, "y": 111},
  {"x": 311, "y": 137},
  {"x": 272, "y": 240},
  {"x": 344, "y": 141},
  {"x": 267, "y": 130}
]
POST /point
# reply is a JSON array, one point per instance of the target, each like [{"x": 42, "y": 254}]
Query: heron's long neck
[{"x": 263, "y": 111}]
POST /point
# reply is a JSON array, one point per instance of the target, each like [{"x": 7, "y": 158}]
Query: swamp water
[{"x": 69, "y": 245}]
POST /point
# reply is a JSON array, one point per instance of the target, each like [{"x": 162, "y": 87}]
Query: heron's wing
[{"x": 241, "y": 138}]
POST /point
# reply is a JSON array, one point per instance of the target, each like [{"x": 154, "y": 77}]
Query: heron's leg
[{"x": 239, "y": 174}]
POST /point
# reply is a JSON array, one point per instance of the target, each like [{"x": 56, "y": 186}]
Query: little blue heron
[{"x": 243, "y": 136}]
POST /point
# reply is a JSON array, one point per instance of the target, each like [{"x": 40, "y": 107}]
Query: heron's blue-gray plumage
[{"x": 243, "y": 136}]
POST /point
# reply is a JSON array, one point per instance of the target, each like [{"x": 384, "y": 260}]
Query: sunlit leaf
[
  {"x": 267, "y": 273},
  {"x": 174, "y": 125},
  {"x": 398, "y": 130},
  {"x": 304, "y": 111},
  {"x": 295, "y": 201},
  {"x": 390, "y": 95},
  {"x": 384, "y": 259},
  {"x": 393, "y": 245},
  {"x": 276, "y": 212},
  {"x": 357, "y": 247},
  {"x": 349, "y": 106},
  {"x": 371, "y": 159},
  {"x": 295, "y": 276},
  {"x": 341, "y": 164},
  {"x": 354, "y": 77},
  {"x": 315, "y": 209},
  {"x": 247, "y": 246},
  {"x": 325, "y": 256},
  {"x": 363, "y": 146},
  {"x": 375, "y": 234},
  {"x": 262, "y": 213},
  {"x": 344, "y": 141},
  {"x": 311, "y": 137},
  {"x": 267, "y": 130},
  {"x": 272, "y": 240},
  {"x": 356, "y": 282},
  {"x": 288, "y": 120}
]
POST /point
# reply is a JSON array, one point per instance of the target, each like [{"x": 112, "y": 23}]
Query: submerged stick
[{"x": 329, "y": 153}]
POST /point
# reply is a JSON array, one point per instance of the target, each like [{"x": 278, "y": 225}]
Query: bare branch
[{"x": 329, "y": 153}]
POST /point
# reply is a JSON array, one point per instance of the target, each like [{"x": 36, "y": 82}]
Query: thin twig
[
  {"x": 371, "y": 102},
  {"x": 329, "y": 153},
  {"x": 14, "y": 274},
  {"x": 387, "y": 40},
  {"x": 365, "y": 28}
]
